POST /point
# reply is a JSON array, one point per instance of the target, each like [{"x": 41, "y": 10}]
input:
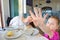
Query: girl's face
[{"x": 52, "y": 24}]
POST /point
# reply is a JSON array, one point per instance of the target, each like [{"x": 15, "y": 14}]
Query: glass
[
  {"x": 21, "y": 27},
  {"x": 9, "y": 28}
]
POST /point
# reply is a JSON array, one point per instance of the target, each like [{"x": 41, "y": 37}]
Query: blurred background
[{"x": 12, "y": 8}]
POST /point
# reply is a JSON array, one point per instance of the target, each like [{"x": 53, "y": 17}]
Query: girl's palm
[{"x": 37, "y": 18}]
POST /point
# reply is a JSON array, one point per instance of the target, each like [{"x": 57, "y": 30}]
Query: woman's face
[
  {"x": 52, "y": 24},
  {"x": 29, "y": 19}
]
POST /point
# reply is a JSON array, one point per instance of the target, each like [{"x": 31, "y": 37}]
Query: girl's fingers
[
  {"x": 36, "y": 11},
  {"x": 32, "y": 14},
  {"x": 40, "y": 12},
  {"x": 45, "y": 16},
  {"x": 35, "y": 22}
]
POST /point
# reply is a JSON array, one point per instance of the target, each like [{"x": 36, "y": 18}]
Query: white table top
[{"x": 23, "y": 37}]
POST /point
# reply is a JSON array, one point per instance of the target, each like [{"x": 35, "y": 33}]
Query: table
[{"x": 23, "y": 37}]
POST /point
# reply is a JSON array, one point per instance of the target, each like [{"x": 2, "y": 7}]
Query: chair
[{"x": 8, "y": 20}]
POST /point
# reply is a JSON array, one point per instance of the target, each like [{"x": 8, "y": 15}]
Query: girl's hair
[{"x": 56, "y": 18}]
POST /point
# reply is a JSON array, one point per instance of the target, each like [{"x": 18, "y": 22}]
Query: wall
[
  {"x": 55, "y": 4},
  {"x": 5, "y": 11},
  {"x": 28, "y": 8}
]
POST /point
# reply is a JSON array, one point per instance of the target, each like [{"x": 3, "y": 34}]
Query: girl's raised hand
[{"x": 37, "y": 18}]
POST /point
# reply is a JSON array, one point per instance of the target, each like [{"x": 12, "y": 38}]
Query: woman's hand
[{"x": 28, "y": 19}]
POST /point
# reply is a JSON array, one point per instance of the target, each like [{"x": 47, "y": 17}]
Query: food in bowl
[{"x": 9, "y": 33}]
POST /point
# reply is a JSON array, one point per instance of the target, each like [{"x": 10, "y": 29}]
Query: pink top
[{"x": 55, "y": 36}]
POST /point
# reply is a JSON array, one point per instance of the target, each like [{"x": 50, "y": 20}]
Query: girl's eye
[{"x": 52, "y": 23}]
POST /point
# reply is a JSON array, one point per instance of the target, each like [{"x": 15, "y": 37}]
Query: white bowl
[{"x": 31, "y": 31}]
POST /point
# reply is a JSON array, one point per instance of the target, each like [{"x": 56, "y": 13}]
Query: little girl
[
  {"x": 50, "y": 28},
  {"x": 53, "y": 24}
]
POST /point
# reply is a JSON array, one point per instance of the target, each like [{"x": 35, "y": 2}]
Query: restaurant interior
[{"x": 12, "y": 8}]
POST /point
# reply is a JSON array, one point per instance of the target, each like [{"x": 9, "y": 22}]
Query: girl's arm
[
  {"x": 46, "y": 30},
  {"x": 38, "y": 20}
]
